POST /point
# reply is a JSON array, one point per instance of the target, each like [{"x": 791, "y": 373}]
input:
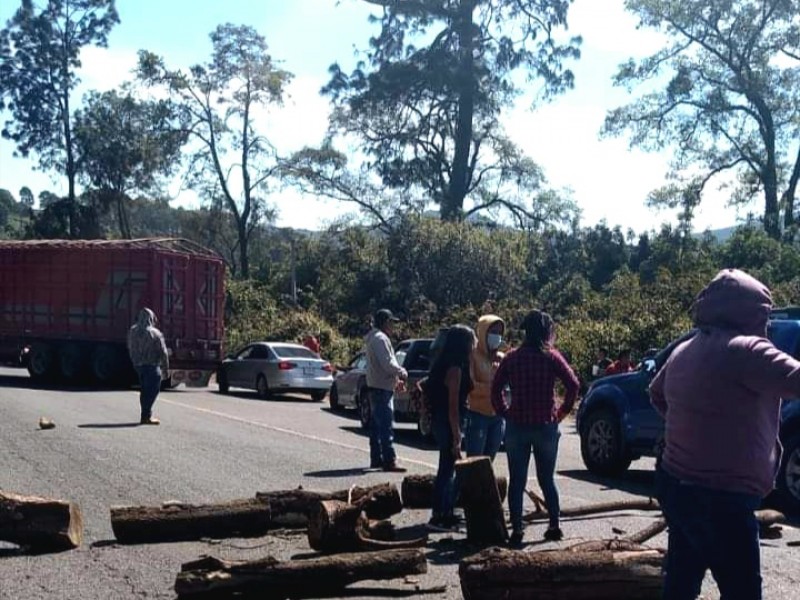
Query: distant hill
[{"x": 720, "y": 235}]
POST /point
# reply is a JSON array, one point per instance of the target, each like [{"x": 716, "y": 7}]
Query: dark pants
[
  {"x": 709, "y": 529},
  {"x": 445, "y": 488},
  {"x": 381, "y": 436},
  {"x": 542, "y": 440},
  {"x": 150, "y": 381}
]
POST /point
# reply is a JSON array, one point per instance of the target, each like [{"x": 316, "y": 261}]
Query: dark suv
[{"x": 617, "y": 424}]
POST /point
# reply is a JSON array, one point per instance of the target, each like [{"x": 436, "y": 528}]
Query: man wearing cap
[{"x": 383, "y": 375}]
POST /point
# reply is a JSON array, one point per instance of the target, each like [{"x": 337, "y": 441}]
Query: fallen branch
[{"x": 600, "y": 508}]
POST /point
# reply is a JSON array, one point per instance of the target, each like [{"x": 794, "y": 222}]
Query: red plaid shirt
[{"x": 532, "y": 375}]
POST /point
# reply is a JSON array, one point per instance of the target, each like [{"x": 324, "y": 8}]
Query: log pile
[
  {"x": 40, "y": 524},
  {"x": 417, "y": 491},
  {"x": 312, "y": 578}
]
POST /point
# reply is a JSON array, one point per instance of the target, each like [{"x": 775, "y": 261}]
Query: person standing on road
[
  {"x": 623, "y": 364},
  {"x": 532, "y": 419},
  {"x": 720, "y": 394},
  {"x": 486, "y": 428},
  {"x": 384, "y": 375},
  {"x": 447, "y": 387},
  {"x": 149, "y": 356}
]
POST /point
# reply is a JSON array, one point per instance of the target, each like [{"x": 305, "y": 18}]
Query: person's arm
[
  {"x": 570, "y": 381},
  {"x": 499, "y": 382},
  {"x": 452, "y": 381},
  {"x": 657, "y": 397},
  {"x": 763, "y": 368},
  {"x": 164, "y": 361}
]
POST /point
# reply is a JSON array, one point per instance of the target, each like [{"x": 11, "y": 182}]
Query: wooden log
[
  {"x": 599, "y": 508},
  {"x": 562, "y": 575},
  {"x": 311, "y": 578},
  {"x": 175, "y": 521},
  {"x": 292, "y": 508},
  {"x": 417, "y": 491},
  {"x": 40, "y": 524},
  {"x": 483, "y": 508}
]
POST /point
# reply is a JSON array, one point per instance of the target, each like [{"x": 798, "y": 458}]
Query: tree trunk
[
  {"x": 483, "y": 508},
  {"x": 182, "y": 522},
  {"x": 417, "y": 491},
  {"x": 272, "y": 579},
  {"x": 244, "y": 251},
  {"x": 292, "y": 508},
  {"x": 41, "y": 524},
  {"x": 562, "y": 575}
]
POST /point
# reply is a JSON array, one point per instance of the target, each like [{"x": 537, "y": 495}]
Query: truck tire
[
  {"x": 602, "y": 447},
  {"x": 788, "y": 482},
  {"x": 71, "y": 362},
  {"x": 107, "y": 364},
  {"x": 41, "y": 362}
]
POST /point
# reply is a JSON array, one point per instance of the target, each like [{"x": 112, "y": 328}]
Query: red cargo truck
[{"x": 66, "y": 306}]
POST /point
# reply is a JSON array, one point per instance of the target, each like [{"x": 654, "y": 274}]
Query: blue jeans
[
  {"x": 543, "y": 441},
  {"x": 709, "y": 529},
  {"x": 445, "y": 488},
  {"x": 484, "y": 434},
  {"x": 381, "y": 421},
  {"x": 150, "y": 382}
]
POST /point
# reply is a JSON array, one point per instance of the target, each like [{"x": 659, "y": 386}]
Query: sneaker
[
  {"x": 553, "y": 534},
  {"x": 394, "y": 468},
  {"x": 515, "y": 541},
  {"x": 442, "y": 524},
  {"x": 150, "y": 421}
]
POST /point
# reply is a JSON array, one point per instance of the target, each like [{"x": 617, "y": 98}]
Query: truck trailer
[{"x": 66, "y": 307}]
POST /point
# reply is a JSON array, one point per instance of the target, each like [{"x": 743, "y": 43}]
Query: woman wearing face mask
[{"x": 486, "y": 428}]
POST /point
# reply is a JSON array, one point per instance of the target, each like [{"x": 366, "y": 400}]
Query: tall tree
[
  {"x": 39, "y": 56},
  {"x": 220, "y": 99},
  {"x": 726, "y": 96},
  {"x": 26, "y": 196},
  {"x": 425, "y": 104},
  {"x": 125, "y": 146}
]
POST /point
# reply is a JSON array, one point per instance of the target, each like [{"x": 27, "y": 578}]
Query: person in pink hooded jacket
[{"x": 720, "y": 394}]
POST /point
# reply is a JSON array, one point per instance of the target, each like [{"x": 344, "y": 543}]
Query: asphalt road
[{"x": 211, "y": 448}]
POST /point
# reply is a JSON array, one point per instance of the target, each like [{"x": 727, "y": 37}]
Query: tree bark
[
  {"x": 40, "y": 524},
  {"x": 602, "y": 507},
  {"x": 270, "y": 578},
  {"x": 417, "y": 491},
  {"x": 292, "y": 508},
  {"x": 483, "y": 508},
  {"x": 562, "y": 575},
  {"x": 182, "y": 522}
]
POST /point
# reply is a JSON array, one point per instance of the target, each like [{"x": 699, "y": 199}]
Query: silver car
[{"x": 276, "y": 368}]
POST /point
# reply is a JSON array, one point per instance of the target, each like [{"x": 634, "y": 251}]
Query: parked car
[
  {"x": 617, "y": 424},
  {"x": 276, "y": 368}
]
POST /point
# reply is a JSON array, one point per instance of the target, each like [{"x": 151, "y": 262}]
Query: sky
[{"x": 607, "y": 180}]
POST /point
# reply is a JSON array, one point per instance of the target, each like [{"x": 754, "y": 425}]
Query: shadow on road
[
  {"x": 108, "y": 425},
  {"x": 640, "y": 482},
  {"x": 245, "y": 395},
  {"x": 403, "y": 437},
  {"x": 23, "y": 381},
  {"x": 352, "y": 472}
]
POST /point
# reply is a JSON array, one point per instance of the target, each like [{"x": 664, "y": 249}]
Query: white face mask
[{"x": 493, "y": 341}]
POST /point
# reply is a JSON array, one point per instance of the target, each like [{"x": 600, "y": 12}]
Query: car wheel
[
  {"x": 333, "y": 398},
  {"x": 602, "y": 446},
  {"x": 425, "y": 426},
  {"x": 222, "y": 382},
  {"x": 364, "y": 409},
  {"x": 789, "y": 475},
  {"x": 318, "y": 396},
  {"x": 262, "y": 387}
]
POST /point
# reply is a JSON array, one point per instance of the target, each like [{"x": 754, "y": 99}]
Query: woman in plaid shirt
[{"x": 532, "y": 419}]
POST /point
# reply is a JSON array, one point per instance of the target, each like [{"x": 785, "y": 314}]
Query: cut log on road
[
  {"x": 417, "y": 491},
  {"x": 174, "y": 521},
  {"x": 562, "y": 575},
  {"x": 270, "y": 578},
  {"x": 483, "y": 508},
  {"x": 600, "y": 508},
  {"x": 341, "y": 527},
  {"x": 292, "y": 508},
  {"x": 40, "y": 524}
]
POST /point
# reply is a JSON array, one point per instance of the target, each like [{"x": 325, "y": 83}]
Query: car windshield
[{"x": 293, "y": 352}]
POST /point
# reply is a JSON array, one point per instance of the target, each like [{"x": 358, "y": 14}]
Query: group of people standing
[{"x": 477, "y": 398}]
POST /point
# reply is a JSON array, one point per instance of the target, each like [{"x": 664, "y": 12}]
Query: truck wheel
[
  {"x": 71, "y": 361},
  {"x": 106, "y": 363},
  {"x": 333, "y": 399},
  {"x": 41, "y": 362},
  {"x": 789, "y": 475},
  {"x": 364, "y": 409},
  {"x": 602, "y": 446}
]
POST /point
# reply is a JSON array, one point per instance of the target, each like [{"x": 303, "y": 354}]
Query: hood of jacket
[
  {"x": 146, "y": 318},
  {"x": 734, "y": 300},
  {"x": 482, "y": 330}
]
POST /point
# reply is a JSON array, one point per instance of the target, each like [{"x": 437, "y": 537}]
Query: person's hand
[
  {"x": 561, "y": 414},
  {"x": 400, "y": 387}
]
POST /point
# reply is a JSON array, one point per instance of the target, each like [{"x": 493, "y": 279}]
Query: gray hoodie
[
  {"x": 383, "y": 370},
  {"x": 720, "y": 392}
]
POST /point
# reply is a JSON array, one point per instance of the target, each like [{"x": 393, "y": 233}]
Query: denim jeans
[
  {"x": 543, "y": 441},
  {"x": 445, "y": 488},
  {"x": 381, "y": 436},
  {"x": 484, "y": 434},
  {"x": 150, "y": 382},
  {"x": 709, "y": 529}
]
